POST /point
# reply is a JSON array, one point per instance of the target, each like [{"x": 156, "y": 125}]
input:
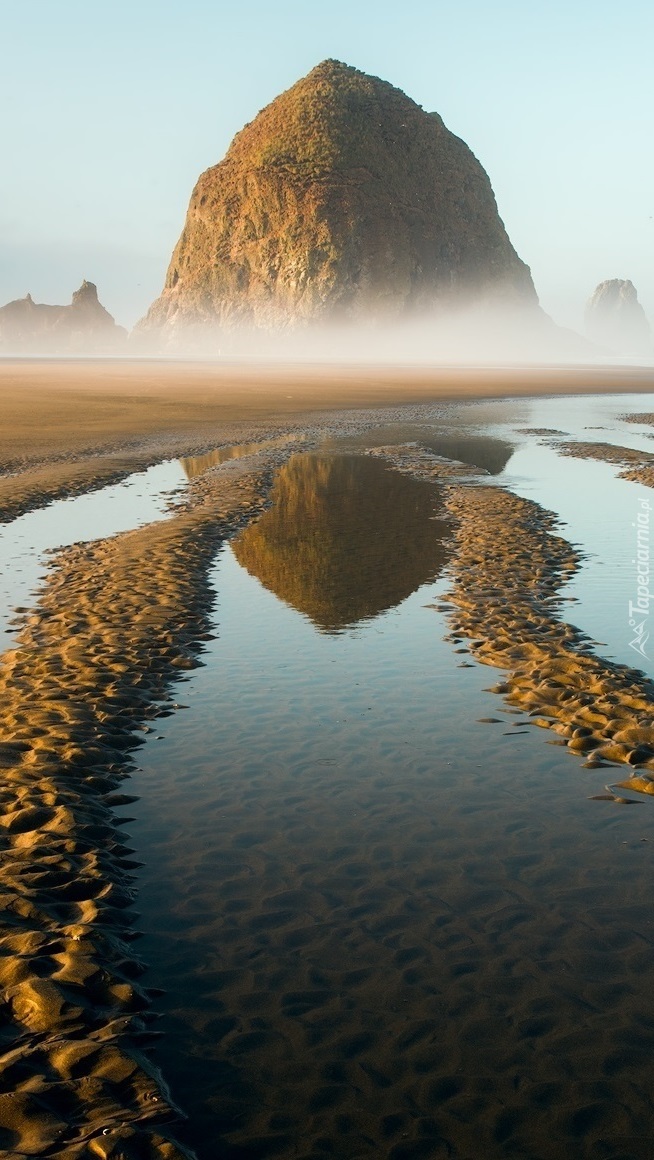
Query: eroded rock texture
[{"x": 342, "y": 201}]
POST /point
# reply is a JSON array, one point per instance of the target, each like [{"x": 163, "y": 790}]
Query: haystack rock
[
  {"x": 83, "y": 327},
  {"x": 343, "y": 201},
  {"x": 616, "y": 320}
]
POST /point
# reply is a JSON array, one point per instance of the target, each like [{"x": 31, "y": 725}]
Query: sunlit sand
[{"x": 96, "y": 654}]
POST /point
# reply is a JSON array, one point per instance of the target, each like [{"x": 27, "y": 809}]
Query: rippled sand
[
  {"x": 93, "y": 664},
  {"x": 637, "y": 466}
]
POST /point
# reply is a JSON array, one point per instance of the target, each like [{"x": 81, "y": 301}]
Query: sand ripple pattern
[
  {"x": 638, "y": 466},
  {"x": 26, "y": 486},
  {"x": 118, "y": 621},
  {"x": 508, "y": 567},
  {"x": 413, "y": 459}
]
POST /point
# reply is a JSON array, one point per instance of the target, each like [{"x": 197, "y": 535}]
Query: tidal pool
[
  {"x": 387, "y": 917},
  {"x": 345, "y": 539},
  {"x": 386, "y": 926},
  {"x": 140, "y": 499}
]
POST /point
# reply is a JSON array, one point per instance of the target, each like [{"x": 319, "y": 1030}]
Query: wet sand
[
  {"x": 118, "y": 621},
  {"x": 508, "y": 566},
  {"x": 70, "y": 426},
  {"x": 637, "y": 466},
  {"x": 642, "y": 418},
  {"x": 51, "y": 408}
]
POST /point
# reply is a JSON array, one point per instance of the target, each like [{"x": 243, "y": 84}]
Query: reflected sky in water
[{"x": 140, "y": 499}]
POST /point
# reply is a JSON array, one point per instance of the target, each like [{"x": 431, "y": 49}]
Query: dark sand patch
[
  {"x": 417, "y": 460},
  {"x": 539, "y": 431},
  {"x": 646, "y": 418}
]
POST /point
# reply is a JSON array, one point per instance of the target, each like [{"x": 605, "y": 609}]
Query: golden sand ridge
[
  {"x": 118, "y": 620},
  {"x": 638, "y": 466},
  {"x": 34, "y": 487},
  {"x": 508, "y": 566}
]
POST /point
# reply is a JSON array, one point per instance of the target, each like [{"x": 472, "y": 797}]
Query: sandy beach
[
  {"x": 118, "y": 620},
  {"x": 52, "y": 408},
  {"x": 70, "y": 426}
]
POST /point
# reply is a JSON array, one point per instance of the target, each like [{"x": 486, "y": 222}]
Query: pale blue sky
[{"x": 111, "y": 110}]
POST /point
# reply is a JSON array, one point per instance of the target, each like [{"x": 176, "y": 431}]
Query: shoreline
[
  {"x": 63, "y": 408},
  {"x": 71, "y": 426}
]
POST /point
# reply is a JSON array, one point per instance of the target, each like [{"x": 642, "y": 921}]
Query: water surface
[
  {"x": 345, "y": 539},
  {"x": 385, "y": 926},
  {"x": 24, "y": 542},
  {"x": 388, "y": 927}
]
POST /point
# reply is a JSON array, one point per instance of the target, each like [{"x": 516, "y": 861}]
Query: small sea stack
[
  {"x": 83, "y": 327},
  {"x": 615, "y": 319}
]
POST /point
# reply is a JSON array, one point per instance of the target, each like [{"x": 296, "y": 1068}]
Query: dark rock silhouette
[
  {"x": 29, "y": 327},
  {"x": 342, "y": 201},
  {"x": 616, "y": 320}
]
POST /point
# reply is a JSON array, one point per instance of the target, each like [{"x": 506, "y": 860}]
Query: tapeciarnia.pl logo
[{"x": 639, "y": 610}]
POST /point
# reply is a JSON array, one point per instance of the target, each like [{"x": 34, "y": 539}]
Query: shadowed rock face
[
  {"x": 343, "y": 200},
  {"x": 84, "y": 326},
  {"x": 345, "y": 539},
  {"x": 615, "y": 318}
]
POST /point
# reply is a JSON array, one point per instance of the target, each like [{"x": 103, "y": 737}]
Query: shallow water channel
[
  {"x": 384, "y": 926},
  {"x": 24, "y": 543}
]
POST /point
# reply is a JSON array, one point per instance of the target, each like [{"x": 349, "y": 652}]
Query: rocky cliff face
[
  {"x": 616, "y": 320},
  {"x": 342, "y": 201},
  {"x": 83, "y": 327}
]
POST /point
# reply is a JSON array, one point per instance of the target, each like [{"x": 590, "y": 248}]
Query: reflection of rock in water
[
  {"x": 195, "y": 465},
  {"x": 345, "y": 539},
  {"x": 491, "y": 455}
]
